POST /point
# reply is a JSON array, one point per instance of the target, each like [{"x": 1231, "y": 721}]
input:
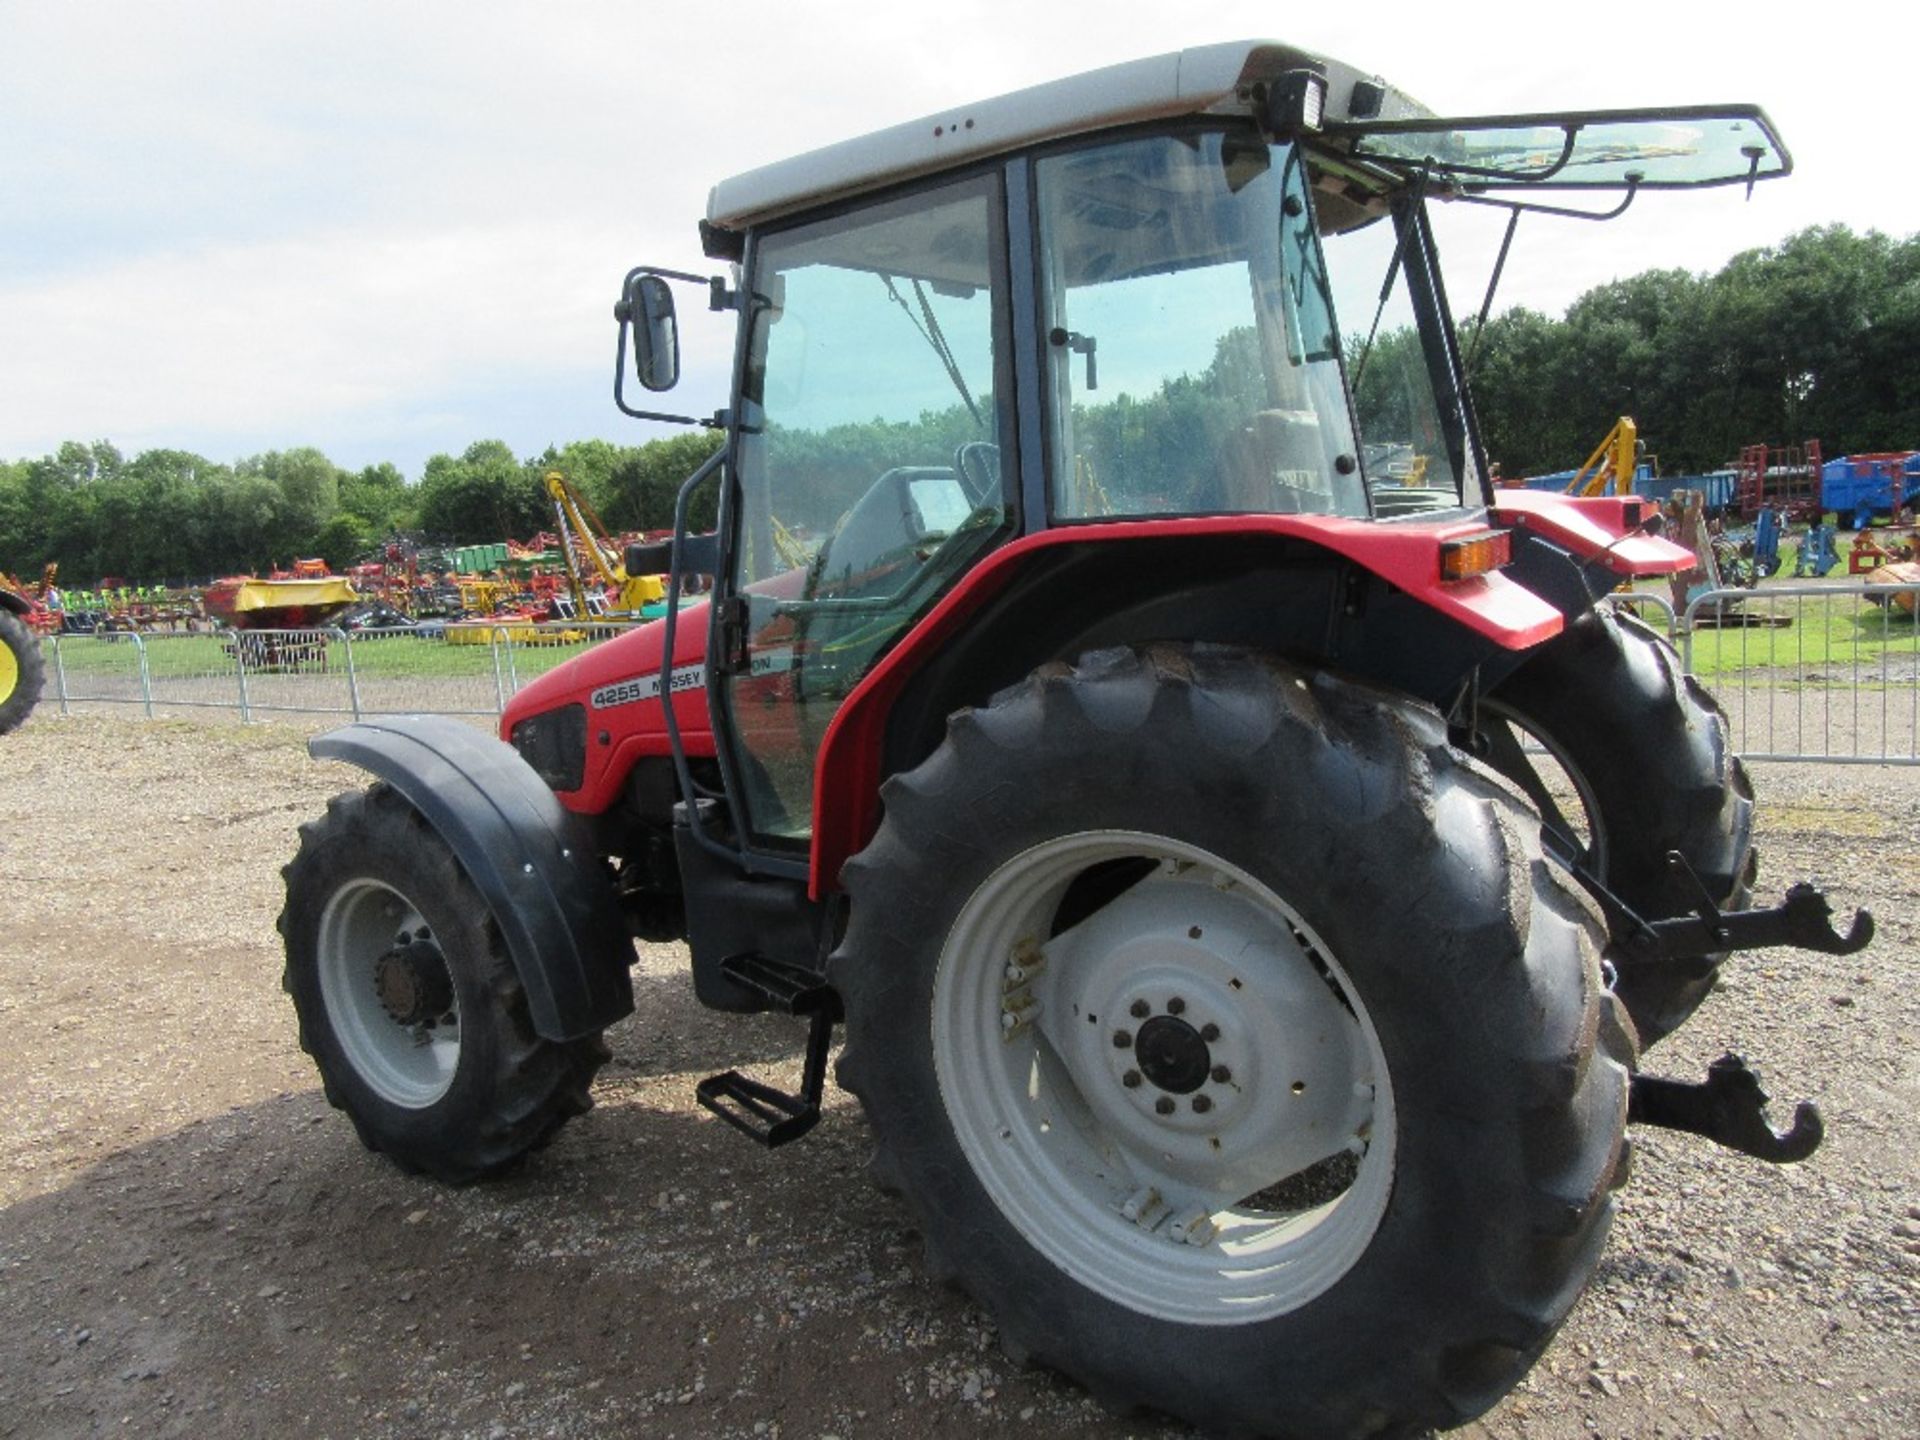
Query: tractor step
[
  {"x": 757, "y": 1110},
  {"x": 796, "y": 989}
]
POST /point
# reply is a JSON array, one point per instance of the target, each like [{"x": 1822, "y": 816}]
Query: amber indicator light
[{"x": 1475, "y": 555}]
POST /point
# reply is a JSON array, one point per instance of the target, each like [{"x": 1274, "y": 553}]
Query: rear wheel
[
  {"x": 409, "y": 1003},
  {"x": 1628, "y": 758},
  {"x": 22, "y": 672},
  {"x": 1235, "y": 1044}
]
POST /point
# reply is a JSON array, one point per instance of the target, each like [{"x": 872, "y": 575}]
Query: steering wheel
[{"x": 977, "y": 464}]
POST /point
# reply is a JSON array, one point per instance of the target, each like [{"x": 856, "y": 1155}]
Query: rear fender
[
  {"x": 1601, "y": 528},
  {"x": 1490, "y": 611},
  {"x": 531, "y": 860}
]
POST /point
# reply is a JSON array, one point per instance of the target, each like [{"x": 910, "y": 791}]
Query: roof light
[
  {"x": 1475, "y": 554},
  {"x": 1296, "y": 101}
]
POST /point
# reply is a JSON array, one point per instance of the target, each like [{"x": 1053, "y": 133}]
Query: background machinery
[
  {"x": 589, "y": 553},
  {"x": 1245, "y": 882},
  {"x": 22, "y": 670}
]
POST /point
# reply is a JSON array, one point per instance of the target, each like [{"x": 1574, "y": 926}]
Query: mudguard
[
  {"x": 528, "y": 856},
  {"x": 14, "y": 603}
]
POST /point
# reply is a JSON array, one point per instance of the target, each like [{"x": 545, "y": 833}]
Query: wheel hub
[
  {"x": 412, "y": 981},
  {"x": 1172, "y": 1055}
]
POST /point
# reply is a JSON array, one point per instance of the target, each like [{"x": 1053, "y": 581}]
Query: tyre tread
[
  {"x": 1574, "y": 1079},
  {"x": 537, "y": 1084}
]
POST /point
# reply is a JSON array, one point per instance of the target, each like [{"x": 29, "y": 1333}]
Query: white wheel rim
[
  {"x": 1168, "y": 1210},
  {"x": 411, "y": 1066}
]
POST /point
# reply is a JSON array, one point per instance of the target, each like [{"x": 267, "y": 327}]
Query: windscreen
[
  {"x": 1193, "y": 351},
  {"x": 1600, "y": 150}
]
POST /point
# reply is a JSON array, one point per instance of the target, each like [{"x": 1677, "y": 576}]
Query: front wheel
[
  {"x": 1629, "y": 759},
  {"x": 1235, "y": 1044},
  {"x": 408, "y": 1001}
]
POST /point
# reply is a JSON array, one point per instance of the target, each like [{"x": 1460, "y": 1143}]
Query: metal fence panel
[
  {"x": 426, "y": 670},
  {"x": 1637, "y": 601},
  {"x": 1827, "y": 672},
  {"x": 1812, "y": 672},
  {"x": 290, "y": 672},
  {"x": 532, "y": 650},
  {"x": 103, "y": 669}
]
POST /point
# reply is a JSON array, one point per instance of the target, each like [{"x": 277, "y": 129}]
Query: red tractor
[{"x": 1246, "y": 856}]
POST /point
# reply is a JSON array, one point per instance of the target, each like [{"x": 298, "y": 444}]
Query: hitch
[
  {"x": 1729, "y": 1108},
  {"x": 1803, "y": 919}
]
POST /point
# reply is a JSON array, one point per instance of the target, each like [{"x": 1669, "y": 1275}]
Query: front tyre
[
  {"x": 1646, "y": 766},
  {"x": 1235, "y": 1044},
  {"x": 408, "y": 1000}
]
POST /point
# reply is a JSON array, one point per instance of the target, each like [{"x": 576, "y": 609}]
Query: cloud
[{"x": 232, "y": 224}]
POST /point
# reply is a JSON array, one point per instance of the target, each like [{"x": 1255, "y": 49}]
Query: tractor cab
[{"x": 1198, "y": 286}]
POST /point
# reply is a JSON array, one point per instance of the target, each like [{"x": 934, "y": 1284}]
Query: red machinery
[{"x": 1779, "y": 477}]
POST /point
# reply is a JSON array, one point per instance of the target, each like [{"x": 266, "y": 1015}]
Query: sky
[{"x": 391, "y": 229}]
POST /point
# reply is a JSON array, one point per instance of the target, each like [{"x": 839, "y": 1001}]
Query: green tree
[{"x": 484, "y": 495}]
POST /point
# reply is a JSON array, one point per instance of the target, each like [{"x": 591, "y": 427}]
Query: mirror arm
[
  {"x": 719, "y": 297},
  {"x": 719, "y": 420},
  {"x": 1534, "y": 207}
]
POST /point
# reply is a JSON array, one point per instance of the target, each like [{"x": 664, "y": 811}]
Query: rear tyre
[
  {"x": 1649, "y": 769},
  {"x": 1235, "y": 1044},
  {"x": 408, "y": 1001},
  {"x": 22, "y": 671}
]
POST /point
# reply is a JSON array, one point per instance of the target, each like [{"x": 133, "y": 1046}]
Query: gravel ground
[{"x": 193, "y": 1244}]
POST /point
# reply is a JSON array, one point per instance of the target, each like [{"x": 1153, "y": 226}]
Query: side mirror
[
  {"x": 645, "y": 310},
  {"x": 648, "y": 304}
]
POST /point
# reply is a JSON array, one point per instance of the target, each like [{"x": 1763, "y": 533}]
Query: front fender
[{"x": 531, "y": 860}]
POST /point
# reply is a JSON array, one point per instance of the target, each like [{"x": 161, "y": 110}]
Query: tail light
[{"x": 1475, "y": 554}]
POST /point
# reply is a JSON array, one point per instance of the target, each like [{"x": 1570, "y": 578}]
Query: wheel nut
[
  {"x": 1201, "y": 1104},
  {"x": 1122, "y": 1039},
  {"x": 1176, "y": 1005},
  {"x": 1139, "y": 1009},
  {"x": 1131, "y": 1079},
  {"x": 1221, "y": 1074},
  {"x": 1164, "y": 1105},
  {"x": 1209, "y": 1032}
]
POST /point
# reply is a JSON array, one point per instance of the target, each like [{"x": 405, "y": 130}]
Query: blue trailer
[
  {"x": 1861, "y": 488},
  {"x": 1717, "y": 487}
]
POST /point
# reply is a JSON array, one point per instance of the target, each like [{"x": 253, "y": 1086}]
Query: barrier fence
[
  {"x": 1812, "y": 672},
  {"x": 1827, "y": 672},
  {"x": 321, "y": 676}
]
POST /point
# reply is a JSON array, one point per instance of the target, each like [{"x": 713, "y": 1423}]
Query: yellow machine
[
  {"x": 581, "y": 530},
  {"x": 1609, "y": 470}
]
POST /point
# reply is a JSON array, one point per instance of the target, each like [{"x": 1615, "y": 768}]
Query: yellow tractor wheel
[{"x": 22, "y": 673}]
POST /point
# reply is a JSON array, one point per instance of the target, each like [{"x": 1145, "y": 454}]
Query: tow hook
[
  {"x": 1729, "y": 1108},
  {"x": 1804, "y": 919}
]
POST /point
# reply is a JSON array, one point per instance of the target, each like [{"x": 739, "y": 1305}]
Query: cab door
[{"x": 872, "y": 466}]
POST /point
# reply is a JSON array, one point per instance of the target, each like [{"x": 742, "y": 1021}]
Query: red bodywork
[{"x": 618, "y": 681}]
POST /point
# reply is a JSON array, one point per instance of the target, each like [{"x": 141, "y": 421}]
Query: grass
[
  {"x": 1844, "y": 632},
  {"x": 185, "y": 656}
]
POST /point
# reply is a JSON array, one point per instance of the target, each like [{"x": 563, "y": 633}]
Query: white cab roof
[{"x": 1209, "y": 79}]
